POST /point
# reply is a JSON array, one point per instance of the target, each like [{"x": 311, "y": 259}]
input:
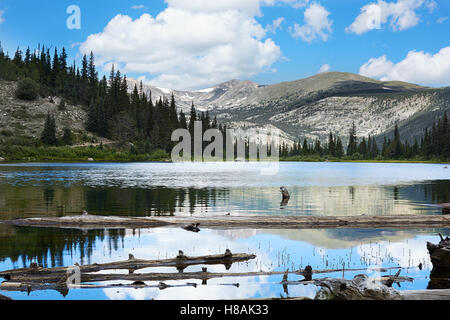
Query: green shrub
[
  {"x": 67, "y": 137},
  {"x": 27, "y": 89},
  {"x": 62, "y": 105},
  {"x": 6, "y": 133},
  {"x": 44, "y": 91}
]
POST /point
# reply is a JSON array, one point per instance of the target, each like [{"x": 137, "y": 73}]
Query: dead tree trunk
[
  {"x": 440, "y": 255},
  {"x": 132, "y": 264},
  {"x": 360, "y": 288}
]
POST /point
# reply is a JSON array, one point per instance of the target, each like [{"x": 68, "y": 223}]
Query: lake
[{"x": 199, "y": 189}]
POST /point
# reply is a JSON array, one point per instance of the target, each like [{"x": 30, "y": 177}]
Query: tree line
[
  {"x": 434, "y": 143},
  {"x": 115, "y": 113}
]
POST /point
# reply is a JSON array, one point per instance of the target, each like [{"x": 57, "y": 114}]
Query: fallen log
[
  {"x": 230, "y": 222},
  {"x": 64, "y": 288},
  {"x": 386, "y": 280},
  {"x": 360, "y": 288},
  {"x": 132, "y": 264},
  {"x": 4, "y": 298},
  {"x": 445, "y": 208},
  {"x": 438, "y": 294},
  {"x": 30, "y": 281}
]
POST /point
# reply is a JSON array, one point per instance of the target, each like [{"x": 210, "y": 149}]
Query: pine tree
[
  {"x": 353, "y": 141},
  {"x": 182, "y": 121},
  {"x": 48, "y": 135},
  {"x": 67, "y": 137}
]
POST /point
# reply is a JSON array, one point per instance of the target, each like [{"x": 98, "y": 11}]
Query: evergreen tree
[
  {"x": 353, "y": 141},
  {"x": 48, "y": 135},
  {"x": 67, "y": 137}
]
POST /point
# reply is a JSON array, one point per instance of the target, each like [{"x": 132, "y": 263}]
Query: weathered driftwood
[
  {"x": 439, "y": 294},
  {"x": 386, "y": 280},
  {"x": 4, "y": 298},
  {"x": 360, "y": 288},
  {"x": 229, "y": 222},
  {"x": 180, "y": 262},
  {"x": 64, "y": 288},
  {"x": 405, "y": 295},
  {"x": 439, "y": 279},
  {"x": 445, "y": 208},
  {"x": 440, "y": 255}
]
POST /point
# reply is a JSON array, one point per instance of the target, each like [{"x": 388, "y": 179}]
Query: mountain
[{"x": 314, "y": 106}]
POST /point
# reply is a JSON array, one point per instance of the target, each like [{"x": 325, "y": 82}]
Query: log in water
[
  {"x": 230, "y": 222},
  {"x": 132, "y": 264}
]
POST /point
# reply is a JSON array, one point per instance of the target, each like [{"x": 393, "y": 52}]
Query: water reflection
[
  {"x": 166, "y": 189},
  {"x": 278, "y": 250},
  {"x": 194, "y": 189},
  {"x": 26, "y": 201},
  {"x": 50, "y": 247}
]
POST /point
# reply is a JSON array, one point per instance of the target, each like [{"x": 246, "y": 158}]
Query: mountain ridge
[{"x": 314, "y": 106}]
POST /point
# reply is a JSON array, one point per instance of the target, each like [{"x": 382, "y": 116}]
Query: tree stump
[{"x": 440, "y": 255}]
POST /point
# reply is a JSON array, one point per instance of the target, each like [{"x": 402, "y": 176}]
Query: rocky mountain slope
[
  {"x": 312, "y": 107},
  {"x": 21, "y": 119}
]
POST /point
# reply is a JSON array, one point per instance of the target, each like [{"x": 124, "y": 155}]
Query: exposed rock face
[
  {"x": 20, "y": 118},
  {"x": 315, "y": 106},
  {"x": 360, "y": 288}
]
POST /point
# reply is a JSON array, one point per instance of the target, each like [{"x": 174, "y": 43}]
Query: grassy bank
[
  {"x": 377, "y": 160},
  {"x": 100, "y": 153},
  {"x": 77, "y": 154}
]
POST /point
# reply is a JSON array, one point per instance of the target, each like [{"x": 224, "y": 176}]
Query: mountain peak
[{"x": 237, "y": 83}]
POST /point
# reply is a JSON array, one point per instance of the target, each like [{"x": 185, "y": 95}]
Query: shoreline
[{"x": 7, "y": 162}]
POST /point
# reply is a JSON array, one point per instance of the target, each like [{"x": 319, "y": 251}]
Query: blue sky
[{"x": 199, "y": 43}]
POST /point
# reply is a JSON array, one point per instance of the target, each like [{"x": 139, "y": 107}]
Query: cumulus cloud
[
  {"x": 418, "y": 67},
  {"x": 275, "y": 25},
  {"x": 2, "y": 19},
  {"x": 191, "y": 44},
  {"x": 324, "y": 68},
  {"x": 250, "y": 7},
  {"x": 317, "y": 24},
  {"x": 431, "y": 5},
  {"x": 400, "y": 15}
]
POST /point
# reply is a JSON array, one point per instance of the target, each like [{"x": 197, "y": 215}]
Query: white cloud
[
  {"x": 250, "y": 7},
  {"x": 191, "y": 44},
  {"x": 418, "y": 67},
  {"x": 275, "y": 25},
  {"x": 2, "y": 19},
  {"x": 138, "y": 6},
  {"x": 431, "y": 5},
  {"x": 400, "y": 15},
  {"x": 324, "y": 68},
  {"x": 317, "y": 24},
  {"x": 442, "y": 20}
]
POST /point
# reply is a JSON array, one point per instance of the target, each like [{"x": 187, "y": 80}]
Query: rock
[
  {"x": 91, "y": 159},
  {"x": 194, "y": 227},
  {"x": 2, "y": 159}
]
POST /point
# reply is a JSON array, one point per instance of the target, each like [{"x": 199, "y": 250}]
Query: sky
[{"x": 196, "y": 44}]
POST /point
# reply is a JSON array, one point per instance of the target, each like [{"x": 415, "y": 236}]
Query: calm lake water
[{"x": 148, "y": 189}]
